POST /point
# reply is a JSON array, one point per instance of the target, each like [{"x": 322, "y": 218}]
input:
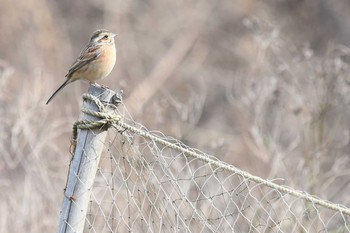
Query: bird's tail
[{"x": 60, "y": 88}]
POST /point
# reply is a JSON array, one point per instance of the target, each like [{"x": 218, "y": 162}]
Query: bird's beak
[{"x": 113, "y": 34}]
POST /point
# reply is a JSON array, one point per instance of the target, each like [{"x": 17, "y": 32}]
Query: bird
[{"x": 95, "y": 61}]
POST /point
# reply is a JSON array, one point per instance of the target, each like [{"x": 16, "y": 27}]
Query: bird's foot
[{"x": 98, "y": 85}]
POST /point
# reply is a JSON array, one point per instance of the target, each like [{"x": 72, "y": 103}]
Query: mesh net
[{"x": 145, "y": 186}]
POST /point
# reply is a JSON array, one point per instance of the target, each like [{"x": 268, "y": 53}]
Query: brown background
[{"x": 263, "y": 85}]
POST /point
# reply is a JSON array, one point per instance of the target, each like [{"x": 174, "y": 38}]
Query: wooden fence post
[{"x": 83, "y": 168}]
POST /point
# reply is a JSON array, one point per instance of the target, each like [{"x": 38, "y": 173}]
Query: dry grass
[{"x": 264, "y": 86}]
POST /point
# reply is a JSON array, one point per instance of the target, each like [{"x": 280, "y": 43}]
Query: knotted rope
[{"x": 107, "y": 119}]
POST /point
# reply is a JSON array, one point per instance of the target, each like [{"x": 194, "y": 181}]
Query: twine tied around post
[{"x": 107, "y": 118}]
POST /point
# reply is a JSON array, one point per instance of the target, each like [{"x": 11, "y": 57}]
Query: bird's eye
[{"x": 105, "y": 37}]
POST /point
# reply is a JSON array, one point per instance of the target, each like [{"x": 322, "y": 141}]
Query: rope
[
  {"x": 231, "y": 168},
  {"x": 107, "y": 119},
  {"x": 115, "y": 120}
]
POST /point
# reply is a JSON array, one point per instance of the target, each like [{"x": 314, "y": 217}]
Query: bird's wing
[{"x": 86, "y": 56}]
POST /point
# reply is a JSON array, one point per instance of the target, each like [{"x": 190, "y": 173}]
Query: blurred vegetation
[{"x": 263, "y": 85}]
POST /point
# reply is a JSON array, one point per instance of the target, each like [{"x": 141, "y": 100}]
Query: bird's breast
[{"x": 103, "y": 65}]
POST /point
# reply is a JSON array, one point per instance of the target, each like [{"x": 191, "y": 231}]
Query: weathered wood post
[{"x": 83, "y": 168}]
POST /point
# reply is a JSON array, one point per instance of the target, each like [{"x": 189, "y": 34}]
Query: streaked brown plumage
[{"x": 95, "y": 61}]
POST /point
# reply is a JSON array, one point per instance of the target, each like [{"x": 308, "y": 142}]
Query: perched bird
[{"x": 95, "y": 62}]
